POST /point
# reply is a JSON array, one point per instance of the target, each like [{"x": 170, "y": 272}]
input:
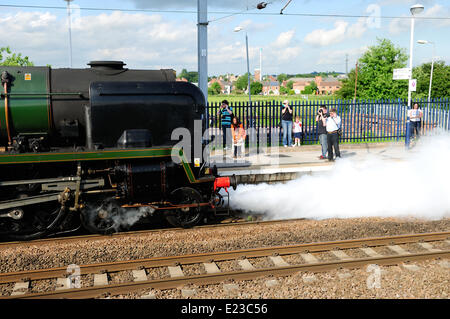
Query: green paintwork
[
  {"x": 28, "y": 114},
  {"x": 100, "y": 155}
]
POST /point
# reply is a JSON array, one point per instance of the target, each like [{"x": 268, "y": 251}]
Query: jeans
[
  {"x": 324, "y": 143},
  {"x": 226, "y": 135},
  {"x": 287, "y": 132},
  {"x": 333, "y": 142},
  {"x": 415, "y": 128}
]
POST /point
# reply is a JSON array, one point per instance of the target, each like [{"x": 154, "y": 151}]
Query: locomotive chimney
[{"x": 106, "y": 65}]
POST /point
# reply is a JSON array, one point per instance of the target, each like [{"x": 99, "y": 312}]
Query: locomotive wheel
[
  {"x": 102, "y": 217},
  {"x": 185, "y": 217},
  {"x": 31, "y": 222}
]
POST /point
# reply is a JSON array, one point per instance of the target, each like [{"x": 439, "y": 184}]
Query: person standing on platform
[
  {"x": 321, "y": 130},
  {"x": 226, "y": 114},
  {"x": 297, "y": 131},
  {"x": 333, "y": 124},
  {"x": 415, "y": 116},
  {"x": 286, "y": 123}
]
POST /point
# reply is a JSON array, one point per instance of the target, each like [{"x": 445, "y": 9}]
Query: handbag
[{"x": 339, "y": 131}]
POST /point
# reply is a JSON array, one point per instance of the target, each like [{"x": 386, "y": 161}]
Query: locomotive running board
[{"x": 28, "y": 201}]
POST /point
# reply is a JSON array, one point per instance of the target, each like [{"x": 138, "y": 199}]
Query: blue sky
[{"x": 289, "y": 43}]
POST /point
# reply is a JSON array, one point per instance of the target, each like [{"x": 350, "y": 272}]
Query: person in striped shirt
[{"x": 226, "y": 114}]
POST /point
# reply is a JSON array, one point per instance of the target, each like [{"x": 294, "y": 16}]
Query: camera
[{"x": 320, "y": 112}]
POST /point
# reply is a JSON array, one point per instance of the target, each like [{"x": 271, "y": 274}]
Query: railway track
[
  {"x": 171, "y": 275},
  {"x": 67, "y": 239}
]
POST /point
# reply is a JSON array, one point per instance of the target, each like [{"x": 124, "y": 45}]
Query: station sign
[
  {"x": 413, "y": 85},
  {"x": 402, "y": 74}
]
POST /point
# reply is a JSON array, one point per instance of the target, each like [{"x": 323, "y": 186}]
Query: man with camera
[
  {"x": 333, "y": 125},
  {"x": 226, "y": 113},
  {"x": 286, "y": 123},
  {"x": 321, "y": 129}
]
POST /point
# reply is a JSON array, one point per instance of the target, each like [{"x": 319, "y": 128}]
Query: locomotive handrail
[{"x": 45, "y": 94}]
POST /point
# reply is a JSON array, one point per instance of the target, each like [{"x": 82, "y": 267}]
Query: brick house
[
  {"x": 328, "y": 85},
  {"x": 225, "y": 87},
  {"x": 271, "y": 86}
]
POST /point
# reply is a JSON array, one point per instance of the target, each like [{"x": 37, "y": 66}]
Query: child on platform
[
  {"x": 297, "y": 129},
  {"x": 239, "y": 134}
]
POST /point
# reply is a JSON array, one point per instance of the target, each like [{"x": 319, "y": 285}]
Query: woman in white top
[{"x": 415, "y": 116}]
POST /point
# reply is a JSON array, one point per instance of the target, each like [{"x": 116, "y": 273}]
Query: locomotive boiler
[{"x": 95, "y": 148}]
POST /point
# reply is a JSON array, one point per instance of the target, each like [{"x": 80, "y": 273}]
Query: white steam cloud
[{"x": 417, "y": 186}]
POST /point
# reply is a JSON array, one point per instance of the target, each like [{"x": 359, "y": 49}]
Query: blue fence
[{"x": 362, "y": 120}]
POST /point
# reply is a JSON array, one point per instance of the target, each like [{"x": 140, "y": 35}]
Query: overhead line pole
[{"x": 202, "y": 42}]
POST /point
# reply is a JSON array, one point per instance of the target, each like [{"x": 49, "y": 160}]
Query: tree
[
  {"x": 256, "y": 88},
  {"x": 281, "y": 77},
  {"x": 440, "y": 86},
  {"x": 283, "y": 90},
  {"x": 375, "y": 70},
  {"x": 191, "y": 76},
  {"x": 242, "y": 82},
  {"x": 290, "y": 84},
  {"x": 8, "y": 58},
  {"x": 215, "y": 88},
  {"x": 310, "y": 89}
]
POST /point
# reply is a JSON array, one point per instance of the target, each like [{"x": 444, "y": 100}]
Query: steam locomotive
[{"x": 94, "y": 148}]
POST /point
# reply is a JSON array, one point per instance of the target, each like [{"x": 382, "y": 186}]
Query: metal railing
[{"x": 362, "y": 120}]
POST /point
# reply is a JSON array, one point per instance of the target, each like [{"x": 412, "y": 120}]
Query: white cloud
[
  {"x": 284, "y": 39},
  {"x": 400, "y": 25},
  {"x": 342, "y": 31},
  {"x": 337, "y": 57},
  {"x": 140, "y": 40}
]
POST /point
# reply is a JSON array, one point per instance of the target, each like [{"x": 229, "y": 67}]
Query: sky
[{"x": 165, "y": 34}]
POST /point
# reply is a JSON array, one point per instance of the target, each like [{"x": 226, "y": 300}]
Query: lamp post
[
  {"x": 237, "y": 29},
  {"x": 415, "y": 9},
  {"x": 70, "y": 31},
  {"x": 432, "y": 64}
]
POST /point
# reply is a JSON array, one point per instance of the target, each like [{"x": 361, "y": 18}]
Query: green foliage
[
  {"x": 440, "y": 86},
  {"x": 242, "y": 82},
  {"x": 8, "y": 58},
  {"x": 281, "y": 77},
  {"x": 214, "y": 89},
  {"x": 283, "y": 90},
  {"x": 290, "y": 84},
  {"x": 310, "y": 89},
  {"x": 375, "y": 74},
  {"x": 191, "y": 76},
  {"x": 307, "y": 90},
  {"x": 256, "y": 88}
]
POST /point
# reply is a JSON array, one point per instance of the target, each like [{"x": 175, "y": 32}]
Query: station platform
[{"x": 284, "y": 164}]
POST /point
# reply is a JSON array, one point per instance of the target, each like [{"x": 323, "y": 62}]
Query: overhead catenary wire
[{"x": 249, "y": 12}]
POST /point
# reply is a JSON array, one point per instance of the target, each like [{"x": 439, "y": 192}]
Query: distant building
[
  {"x": 325, "y": 86},
  {"x": 271, "y": 88},
  {"x": 328, "y": 85},
  {"x": 258, "y": 75},
  {"x": 225, "y": 86},
  {"x": 181, "y": 80}
]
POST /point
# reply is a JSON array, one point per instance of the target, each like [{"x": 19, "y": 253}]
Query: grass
[{"x": 255, "y": 98}]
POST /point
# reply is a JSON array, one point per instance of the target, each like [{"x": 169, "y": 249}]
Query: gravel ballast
[{"x": 429, "y": 282}]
